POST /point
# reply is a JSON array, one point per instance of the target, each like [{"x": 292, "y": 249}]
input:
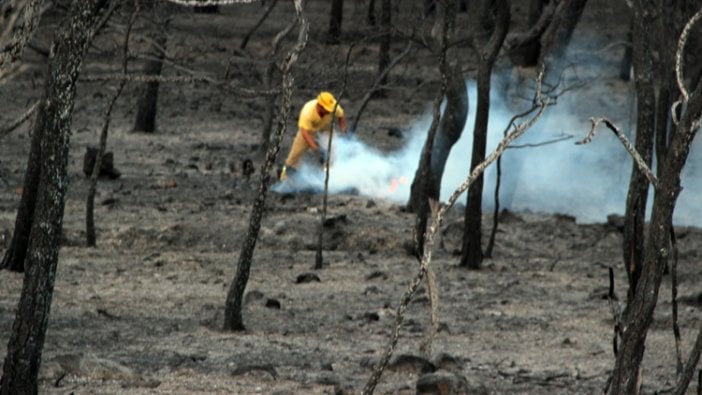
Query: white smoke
[{"x": 588, "y": 182}]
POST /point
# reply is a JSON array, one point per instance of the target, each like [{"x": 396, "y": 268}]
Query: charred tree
[
  {"x": 444, "y": 131},
  {"x": 100, "y": 156},
  {"x": 233, "y": 319},
  {"x": 490, "y": 21},
  {"x": 635, "y": 211},
  {"x": 655, "y": 257},
  {"x": 15, "y": 255},
  {"x": 657, "y": 247},
  {"x": 556, "y": 38},
  {"x": 21, "y": 366},
  {"x": 147, "y": 103},
  {"x": 335, "y": 19},
  {"x": 625, "y": 64}
]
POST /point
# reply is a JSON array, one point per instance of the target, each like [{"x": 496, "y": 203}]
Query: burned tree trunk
[
  {"x": 444, "y": 131},
  {"x": 525, "y": 48},
  {"x": 148, "y": 93},
  {"x": 335, "y": 19},
  {"x": 635, "y": 212},
  {"x": 556, "y": 38},
  {"x": 21, "y": 367},
  {"x": 370, "y": 16},
  {"x": 385, "y": 40},
  {"x": 487, "y": 43},
  {"x": 640, "y": 310},
  {"x": 671, "y": 161},
  {"x": 233, "y": 319},
  {"x": 15, "y": 255}
]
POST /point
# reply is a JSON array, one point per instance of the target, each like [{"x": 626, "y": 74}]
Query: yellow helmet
[{"x": 327, "y": 101}]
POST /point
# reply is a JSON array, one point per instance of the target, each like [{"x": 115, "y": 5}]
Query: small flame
[{"x": 396, "y": 182}]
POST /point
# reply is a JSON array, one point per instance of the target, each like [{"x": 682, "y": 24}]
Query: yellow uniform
[{"x": 315, "y": 117}]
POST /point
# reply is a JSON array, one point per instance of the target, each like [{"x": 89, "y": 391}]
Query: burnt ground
[{"x": 142, "y": 312}]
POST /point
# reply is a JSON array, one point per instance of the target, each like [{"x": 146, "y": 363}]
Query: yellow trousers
[{"x": 297, "y": 151}]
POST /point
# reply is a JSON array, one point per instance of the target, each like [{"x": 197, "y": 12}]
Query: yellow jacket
[{"x": 311, "y": 121}]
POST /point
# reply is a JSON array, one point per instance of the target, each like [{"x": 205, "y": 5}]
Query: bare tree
[
  {"x": 233, "y": 319},
  {"x": 633, "y": 243},
  {"x": 444, "y": 130},
  {"x": 49, "y": 160},
  {"x": 657, "y": 246},
  {"x": 490, "y": 21},
  {"x": 90, "y": 233}
]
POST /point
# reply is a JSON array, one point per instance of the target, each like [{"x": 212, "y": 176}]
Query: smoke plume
[{"x": 588, "y": 182}]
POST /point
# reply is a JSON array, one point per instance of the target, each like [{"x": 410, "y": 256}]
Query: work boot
[{"x": 287, "y": 172}]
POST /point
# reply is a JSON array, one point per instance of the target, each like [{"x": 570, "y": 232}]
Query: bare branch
[
  {"x": 630, "y": 148},
  {"x": 376, "y": 83},
  {"x": 258, "y": 24},
  {"x": 542, "y": 143},
  {"x": 5, "y": 130}
]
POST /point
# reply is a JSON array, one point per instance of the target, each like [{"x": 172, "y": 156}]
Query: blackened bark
[
  {"x": 233, "y": 319},
  {"x": 385, "y": 40},
  {"x": 147, "y": 103},
  {"x": 487, "y": 45},
  {"x": 625, "y": 64},
  {"x": 335, "y": 19},
  {"x": 21, "y": 366},
  {"x": 556, "y": 38},
  {"x": 529, "y": 52},
  {"x": 422, "y": 188},
  {"x": 640, "y": 311},
  {"x": 635, "y": 211},
  {"x": 15, "y": 255}
]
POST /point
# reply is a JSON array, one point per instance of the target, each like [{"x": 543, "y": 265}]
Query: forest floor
[{"x": 142, "y": 312}]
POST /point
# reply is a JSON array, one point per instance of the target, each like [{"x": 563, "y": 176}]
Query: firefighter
[{"x": 315, "y": 117}]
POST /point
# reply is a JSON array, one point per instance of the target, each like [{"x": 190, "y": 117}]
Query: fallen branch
[
  {"x": 630, "y": 148},
  {"x": 436, "y": 223}
]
